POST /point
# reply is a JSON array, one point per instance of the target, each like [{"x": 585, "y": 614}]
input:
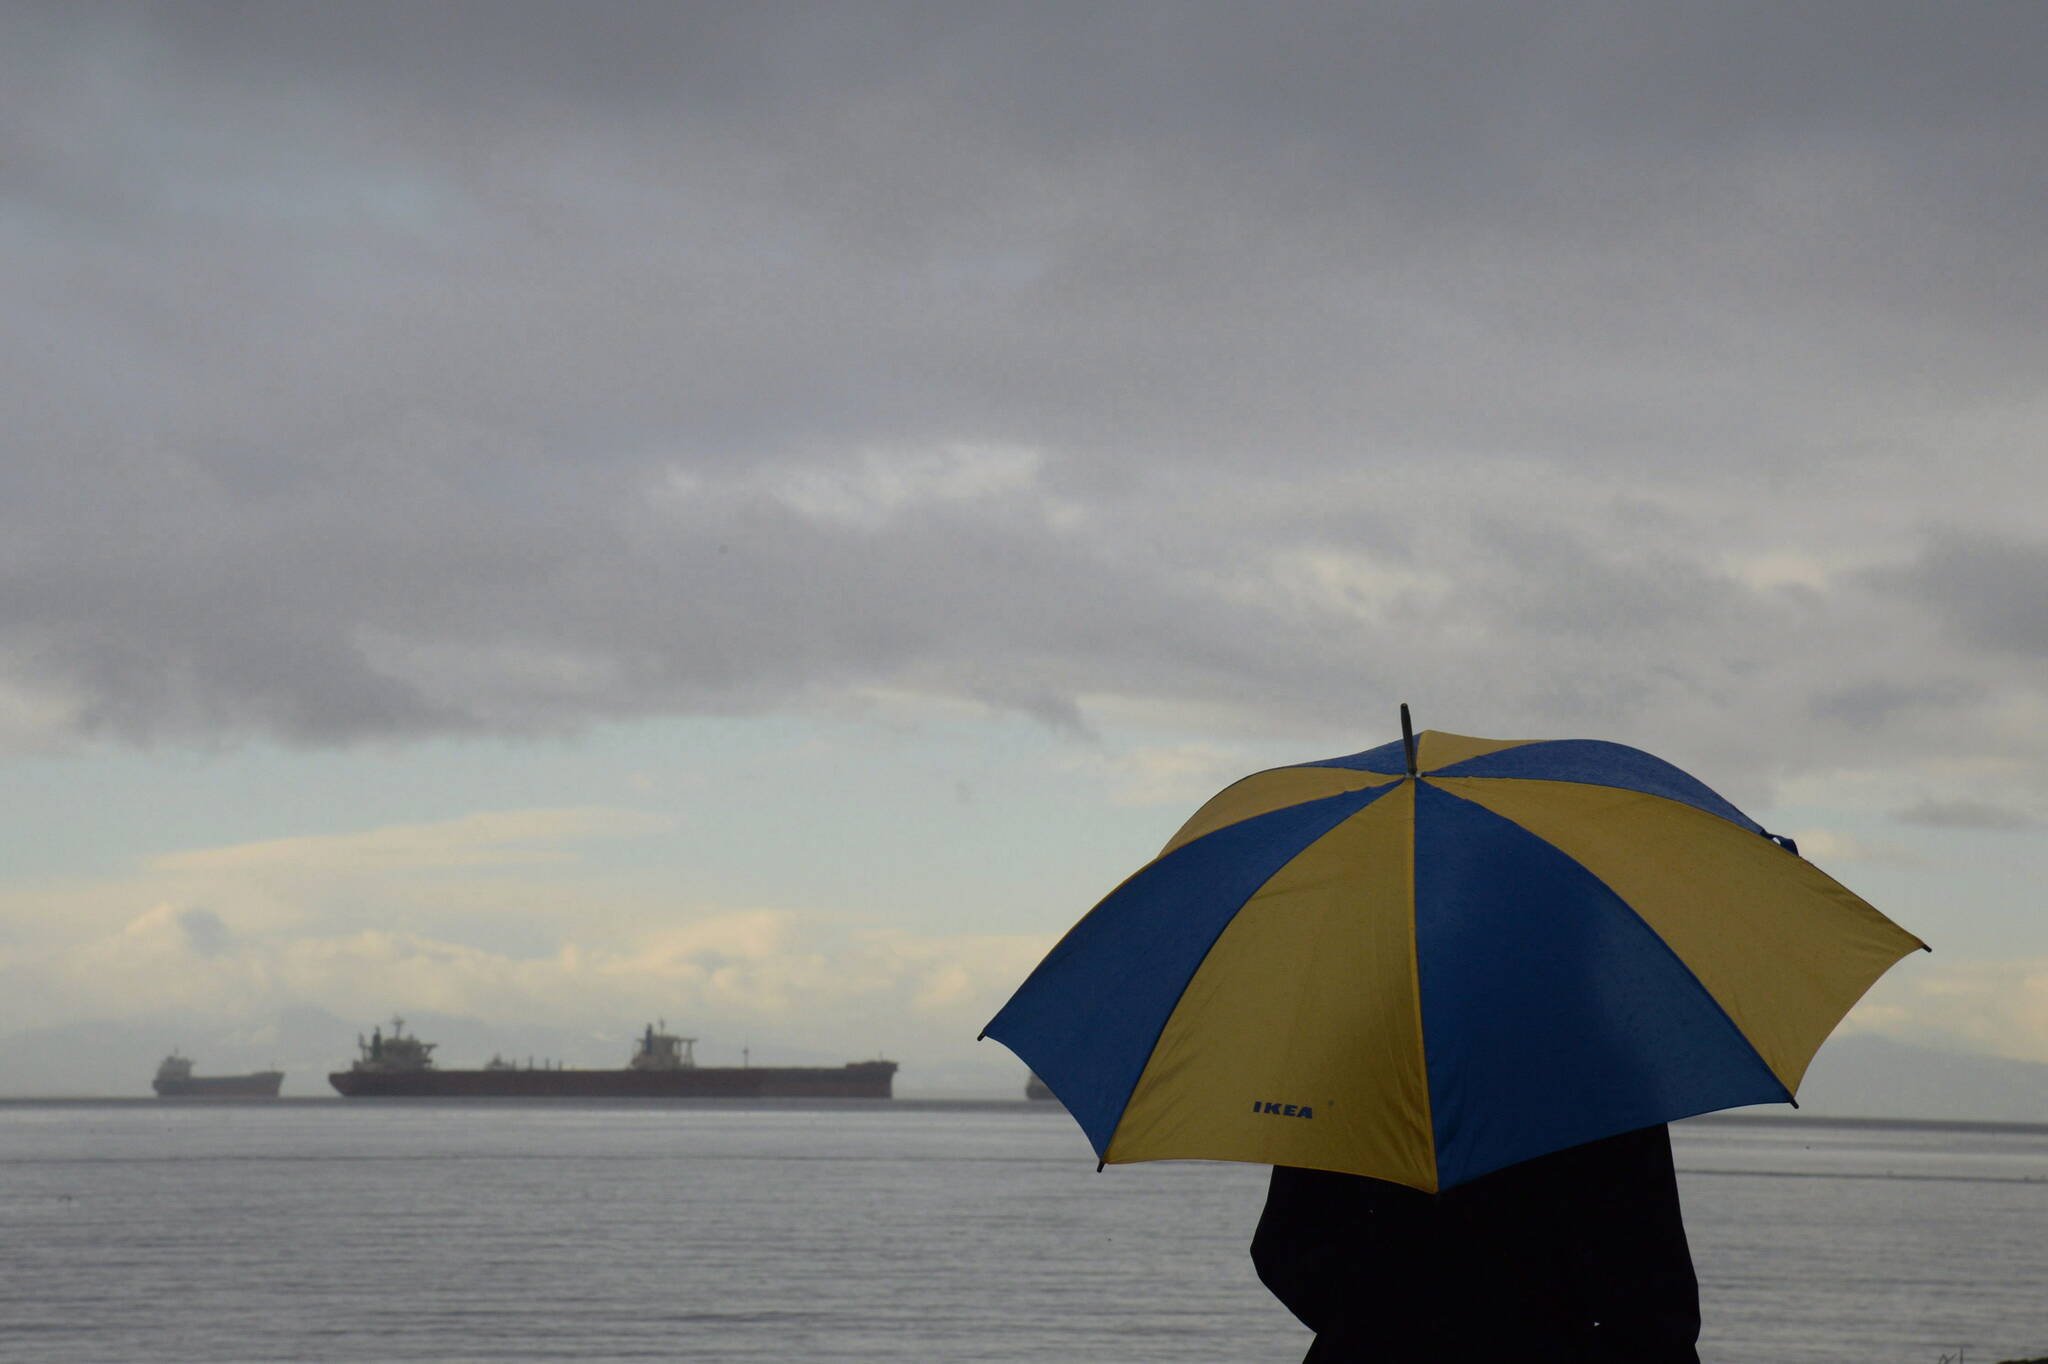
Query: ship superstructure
[
  {"x": 397, "y": 1054},
  {"x": 664, "y": 1051}
]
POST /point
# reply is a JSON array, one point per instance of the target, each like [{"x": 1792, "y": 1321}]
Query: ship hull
[
  {"x": 860, "y": 1080},
  {"x": 260, "y": 1085}
]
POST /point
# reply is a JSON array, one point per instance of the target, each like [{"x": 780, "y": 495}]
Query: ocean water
[{"x": 320, "y": 1230}]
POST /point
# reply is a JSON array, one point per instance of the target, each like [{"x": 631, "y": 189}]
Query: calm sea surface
[{"x": 321, "y": 1230}]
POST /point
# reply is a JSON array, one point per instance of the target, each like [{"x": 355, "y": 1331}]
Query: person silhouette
[{"x": 1579, "y": 1255}]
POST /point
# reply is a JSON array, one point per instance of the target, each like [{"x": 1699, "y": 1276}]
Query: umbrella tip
[{"x": 1408, "y": 738}]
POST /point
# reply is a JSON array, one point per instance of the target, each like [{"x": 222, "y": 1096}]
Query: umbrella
[{"x": 1443, "y": 956}]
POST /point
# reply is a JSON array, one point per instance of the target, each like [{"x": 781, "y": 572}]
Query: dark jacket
[{"x": 1576, "y": 1256}]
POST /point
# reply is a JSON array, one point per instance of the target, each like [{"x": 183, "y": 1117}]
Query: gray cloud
[
  {"x": 1989, "y": 591},
  {"x": 1966, "y": 814},
  {"x": 1871, "y": 706},
  {"x": 204, "y": 933},
  {"x": 401, "y": 371}
]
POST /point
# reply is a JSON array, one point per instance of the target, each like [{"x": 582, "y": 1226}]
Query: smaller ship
[
  {"x": 1036, "y": 1090},
  {"x": 175, "y": 1080}
]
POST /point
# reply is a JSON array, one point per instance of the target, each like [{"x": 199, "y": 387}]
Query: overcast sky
[{"x": 763, "y": 512}]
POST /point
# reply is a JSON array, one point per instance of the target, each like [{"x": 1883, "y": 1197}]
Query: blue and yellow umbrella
[{"x": 1443, "y": 956}]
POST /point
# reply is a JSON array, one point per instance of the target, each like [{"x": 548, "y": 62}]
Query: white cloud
[
  {"x": 487, "y": 839},
  {"x": 802, "y": 977},
  {"x": 871, "y": 487},
  {"x": 1782, "y": 568},
  {"x": 1344, "y": 583},
  {"x": 1174, "y": 774},
  {"x": 1825, "y": 847},
  {"x": 2000, "y": 1007}
]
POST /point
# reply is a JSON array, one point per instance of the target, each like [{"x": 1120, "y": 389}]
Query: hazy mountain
[
  {"x": 117, "y": 1057},
  {"x": 1865, "y": 1076},
  {"x": 1857, "y": 1076}
]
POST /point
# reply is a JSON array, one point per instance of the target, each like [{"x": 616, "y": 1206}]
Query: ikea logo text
[{"x": 1283, "y": 1110}]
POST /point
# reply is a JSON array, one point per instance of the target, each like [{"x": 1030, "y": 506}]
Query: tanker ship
[
  {"x": 663, "y": 1066},
  {"x": 175, "y": 1080}
]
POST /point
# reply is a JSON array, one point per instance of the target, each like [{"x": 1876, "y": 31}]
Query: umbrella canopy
[{"x": 1443, "y": 956}]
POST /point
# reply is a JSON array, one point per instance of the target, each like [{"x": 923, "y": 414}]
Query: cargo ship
[
  {"x": 175, "y": 1080},
  {"x": 663, "y": 1066},
  {"x": 1037, "y": 1090}
]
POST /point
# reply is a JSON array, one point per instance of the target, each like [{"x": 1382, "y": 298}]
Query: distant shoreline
[
  {"x": 912, "y": 1105},
  {"x": 1892, "y": 1124}
]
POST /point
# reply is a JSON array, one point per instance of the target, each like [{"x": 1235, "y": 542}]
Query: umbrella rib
[{"x": 1415, "y": 998}]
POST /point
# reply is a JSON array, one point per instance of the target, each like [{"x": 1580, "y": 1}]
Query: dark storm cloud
[
  {"x": 396, "y": 370},
  {"x": 1989, "y": 591}
]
